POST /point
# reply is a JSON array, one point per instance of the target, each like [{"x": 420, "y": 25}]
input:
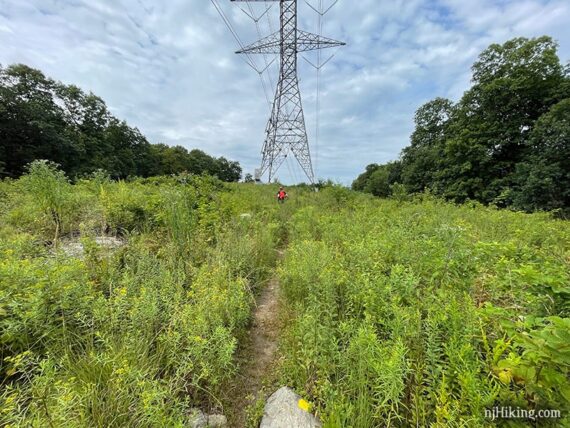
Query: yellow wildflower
[{"x": 303, "y": 404}]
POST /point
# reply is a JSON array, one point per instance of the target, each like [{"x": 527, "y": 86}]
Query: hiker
[{"x": 282, "y": 195}]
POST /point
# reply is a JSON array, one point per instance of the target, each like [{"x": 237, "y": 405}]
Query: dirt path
[{"x": 257, "y": 354}]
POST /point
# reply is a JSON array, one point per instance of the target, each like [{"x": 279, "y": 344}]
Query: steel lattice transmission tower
[{"x": 286, "y": 131}]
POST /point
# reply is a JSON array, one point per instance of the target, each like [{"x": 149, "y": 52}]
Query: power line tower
[{"x": 286, "y": 132}]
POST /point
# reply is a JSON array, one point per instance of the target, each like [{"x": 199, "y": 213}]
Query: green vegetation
[
  {"x": 44, "y": 119},
  {"x": 399, "y": 312},
  {"x": 425, "y": 314},
  {"x": 506, "y": 142},
  {"x": 134, "y": 336}
]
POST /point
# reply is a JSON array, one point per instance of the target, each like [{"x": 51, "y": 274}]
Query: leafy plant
[{"x": 50, "y": 189}]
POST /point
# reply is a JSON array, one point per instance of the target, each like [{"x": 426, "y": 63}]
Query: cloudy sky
[{"x": 168, "y": 67}]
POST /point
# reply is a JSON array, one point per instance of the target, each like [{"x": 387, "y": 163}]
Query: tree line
[
  {"x": 44, "y": 119},
  {"x": 506, "y": 142}
]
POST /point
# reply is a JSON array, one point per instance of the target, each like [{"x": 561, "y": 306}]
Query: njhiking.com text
[{"x": 509, "y": 412}]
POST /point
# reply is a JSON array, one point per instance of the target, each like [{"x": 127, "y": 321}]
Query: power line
[
  {"x": 230, "y": 27},
  {"x": 286, "y": 131},
  {"x": 318, "y": 100},
  {"x": 259, "y": 34},
  {"x": 321, "y": 12},
  {"x": 267, "y": 7},
  {"x": 250, "y": 61}
]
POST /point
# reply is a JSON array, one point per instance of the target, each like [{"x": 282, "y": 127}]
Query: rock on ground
[
  {"x": 198, "y": 419},
  {"x": 74, "y": 248},
  {"x": 217, "y": 421},
  {"x": 284, "y": 409}
]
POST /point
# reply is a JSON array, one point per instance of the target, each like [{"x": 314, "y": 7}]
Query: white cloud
[{"x": 168, "y": 68}]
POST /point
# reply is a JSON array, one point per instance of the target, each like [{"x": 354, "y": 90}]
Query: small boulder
[
  {"x": 285, "y": 409},
  {"x": 217, "y": 421},
  {"x": 197, "y": 419}
]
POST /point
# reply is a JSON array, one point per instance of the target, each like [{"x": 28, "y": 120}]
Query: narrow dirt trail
[
  {"x": 258, "y": 352},
  {"x": 264, "y": 335}
]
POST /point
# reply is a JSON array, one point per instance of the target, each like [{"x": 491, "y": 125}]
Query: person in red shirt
[{"x": 282, "y": 195}]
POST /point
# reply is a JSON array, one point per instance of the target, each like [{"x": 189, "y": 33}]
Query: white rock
[
  {"x": 74, "y": 247},
  {"x": 282, "y": 410},
  {"x": 109, "y": 242}
]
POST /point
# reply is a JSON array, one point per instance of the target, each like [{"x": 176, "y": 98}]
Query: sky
[{"x": 169, "y": 67}]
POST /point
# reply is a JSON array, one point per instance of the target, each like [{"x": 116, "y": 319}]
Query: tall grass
[
  {"x": 399, "y": 312},
  {"x": 133, "y": 337},
  {"x": 424, "y": 313}
]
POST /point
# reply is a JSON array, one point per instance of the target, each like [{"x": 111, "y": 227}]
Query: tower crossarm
[
  {"x": 310, "y": 42},
  {"x": 267, "y": 45},
  {"x": 305, "y": 42}
]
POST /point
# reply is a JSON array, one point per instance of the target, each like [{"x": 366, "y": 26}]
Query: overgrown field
[
  {"x": 398, "y": 313},
  {"x": 133, "y": 337},
  {"x": 426, "y": 314}
]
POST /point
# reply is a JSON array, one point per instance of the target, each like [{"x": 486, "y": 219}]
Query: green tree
[
  {"x": 514, "y": 84},
  {"x": 200, "y": 162},
  {"x": 543, "y": 179},
  {"x": 44, "y": 119},
  {"x": 423, "y": 157},
  {"x": 505, "y": 141},
  {"x": 32, "y": 125},
  {"x": 362, "y": 180},
  {"x": 379, "y": 184},
  {"x": 228, "y": 170},
  {"x": 378, "y": 179}
]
